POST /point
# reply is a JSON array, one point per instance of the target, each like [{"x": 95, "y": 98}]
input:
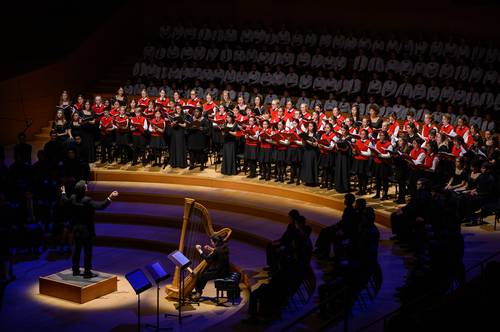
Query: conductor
[
  {"x": 217, "y": 257},
  {"x": 82, "y": 209}
]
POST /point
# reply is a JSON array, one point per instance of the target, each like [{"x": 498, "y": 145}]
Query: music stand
[
  {"x": 158, "y": 273},
  {"x": 182, "y": 262},
  {"x": 139, "y": 282}
]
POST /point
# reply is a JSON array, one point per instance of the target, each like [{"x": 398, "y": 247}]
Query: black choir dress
[
  {"x": 88, "y": 136},
  {"x": 309, "y": 170},
  {"x": 342, "y": 167},
  {"x": 76, "y": 129},
  {"x": 60, "y": 128},
  {"x": 229, "y": 152},
  {"x": 67, "y": 111},
  {"x": 177, "y": 147},
  {"x": 197, "y": 139}
]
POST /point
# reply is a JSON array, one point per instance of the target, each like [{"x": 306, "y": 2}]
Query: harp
[{"x": 196, "y": 229}]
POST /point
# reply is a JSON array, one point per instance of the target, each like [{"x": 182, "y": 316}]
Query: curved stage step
[
  {"x": 239, "y": 183},
  {"x": 245, "y": 226},
  {"x": 259, "y": 205},
  {"x": 243, "y": 254}
]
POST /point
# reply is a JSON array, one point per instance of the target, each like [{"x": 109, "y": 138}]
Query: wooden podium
[{"x": 77, "y": 289}]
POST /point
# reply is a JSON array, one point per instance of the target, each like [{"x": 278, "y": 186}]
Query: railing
[{"x": 385, "y": 318}]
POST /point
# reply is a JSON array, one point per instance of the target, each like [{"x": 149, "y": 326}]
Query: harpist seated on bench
[{"x": 217, "y": 257}]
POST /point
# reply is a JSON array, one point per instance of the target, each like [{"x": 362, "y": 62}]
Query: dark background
[{"x": 42, "y": 32}]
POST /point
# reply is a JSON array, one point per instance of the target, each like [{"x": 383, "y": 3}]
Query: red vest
[
  {"x": 164, "y": 103},
  {"x": 252, "y": 131},
  {"x": 209, "y": 108},
  {"x": 456, "y": 150},
  {"x": 392, "y": 128},
  {"x": 114, "y": 112},
  {"x": 149, "y": 113},
  {"x": 327, "y": 137},
  {"x": 121, "y": 123},
  {"x": 281, "y": 147},
  {"x": 138, "y": 123},
  {"x": 414, "y": 153},
  {"x": 461, "y": 130},
  {"x": 362, "y": 146},
  {"x": 264, "y": 144},
  {"x": 158, "y": 123},
  {"x": 429, "y": 160},
  {"x": 447, "y": 129},
  {"x": 293, "y": 143},
  {"x": 106, "y": 123},
  {"x": 426, "y": 129},
  {"x": 382, "y": 148},
  {"x": 143, "y": 102},
  {"x": 98, "y": 110}
]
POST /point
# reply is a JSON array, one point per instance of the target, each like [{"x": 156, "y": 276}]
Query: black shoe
[
  {"x": 376, "y": 196},
  {"x": 202, "y": 167},
  {"x": 191, "y": 167},
  {"x": 277, "y": 180},
  {"x": 384, "y": 198},
  {"x": 76, "y": 273},
  {"x": 89, "y": 275},
  {"x": 291, "y": 181},
  {"x": 297, "y": 183},
  {"x": 262, "y": 177}
]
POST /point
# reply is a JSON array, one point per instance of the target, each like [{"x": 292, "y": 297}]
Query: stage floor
[{"x": 25, "y": 309}]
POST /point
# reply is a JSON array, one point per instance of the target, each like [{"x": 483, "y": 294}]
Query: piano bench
[{"x": 230, "y": 284}]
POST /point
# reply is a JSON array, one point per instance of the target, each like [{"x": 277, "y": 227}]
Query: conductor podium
[{"x": 65, "y": 286}]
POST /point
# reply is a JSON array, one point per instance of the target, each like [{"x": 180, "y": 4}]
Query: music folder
[{"x": 179, "y": 259}]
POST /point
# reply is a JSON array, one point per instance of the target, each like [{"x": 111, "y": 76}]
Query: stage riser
[
  {"x": 77, "y": 293},
  {"x": 130, "y": 176},
  {"x": 239, "y": 235},
  {"x": 382, "y": 217},
  {"x": 210, "y": 205}
]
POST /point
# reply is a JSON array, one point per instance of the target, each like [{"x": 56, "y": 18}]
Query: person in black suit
[
  {"x": 83, "y": 209},
  {"x": 217, "y": 257}
]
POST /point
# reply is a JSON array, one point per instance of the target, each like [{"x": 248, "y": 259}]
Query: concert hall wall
[
  {"x": 387, "y": 15},
  {"x": 35, "y": 94}
]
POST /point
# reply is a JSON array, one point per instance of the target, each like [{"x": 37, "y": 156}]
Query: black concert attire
[
  {"x": 197, "y": 141},
  {"x": 342, "y": 166},
  {"x": 402, "y": 173},
  {"x": 88, "y": 134},
  {"x": 177, "y": 146},
  {"x": 229, "y": 150},
  {"x": 218, "y": 266},
  {"x": 309, "y": 170},
  {"x": 60, "y": 128},
  {"x": 83, "y": 211}
]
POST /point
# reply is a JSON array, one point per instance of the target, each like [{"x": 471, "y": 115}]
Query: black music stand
[
  {"x": 158, "y": 273},
  {"x": 182, "y": 262},
  {"x": 139, "y": 282}
]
